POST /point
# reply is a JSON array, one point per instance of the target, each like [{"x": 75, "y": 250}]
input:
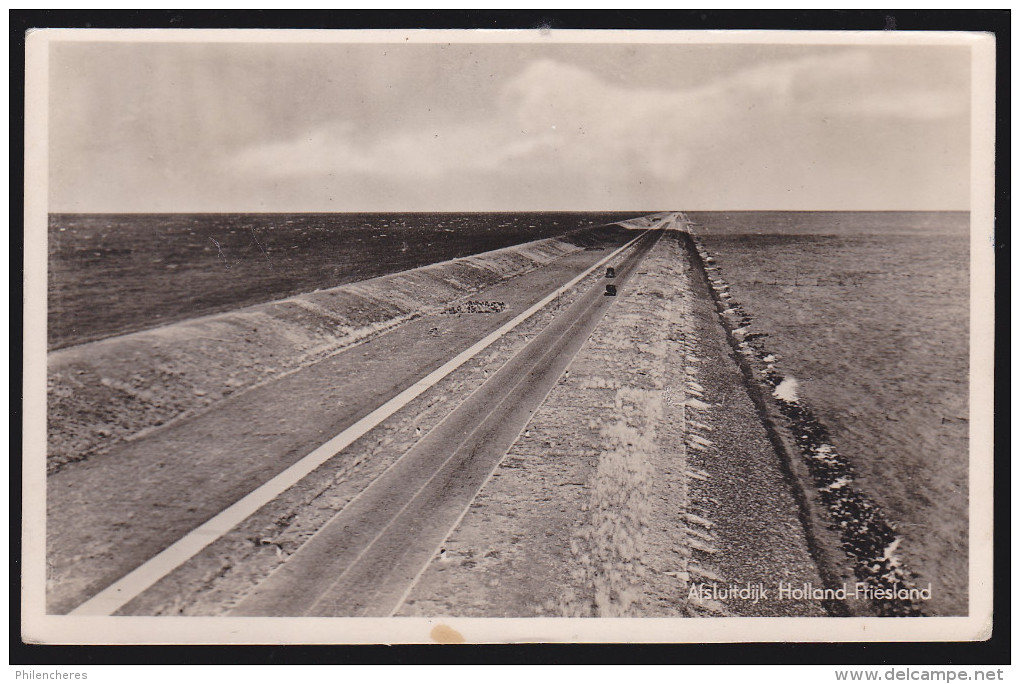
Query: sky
[{"x": 205, "y": 126}]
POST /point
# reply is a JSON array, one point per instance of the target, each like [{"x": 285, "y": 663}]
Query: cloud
[
  {"x": 582, "y": 137},
  {"x": 918, "y": 104}
]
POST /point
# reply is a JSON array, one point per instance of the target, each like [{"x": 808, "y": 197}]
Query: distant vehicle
[
  {"x": 610, "y": 290},
  {"x": 610, "y": 272}
]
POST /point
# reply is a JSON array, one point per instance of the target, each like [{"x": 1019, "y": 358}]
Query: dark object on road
[
  {"x": 610, "y": 290},
  {"x": 610, "y": 272}
]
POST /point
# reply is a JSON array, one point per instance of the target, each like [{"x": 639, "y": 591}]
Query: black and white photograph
[{"x": 387, "y": 336}]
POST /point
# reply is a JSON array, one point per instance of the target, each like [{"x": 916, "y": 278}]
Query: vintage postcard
[{"x": 418, "y": 336}]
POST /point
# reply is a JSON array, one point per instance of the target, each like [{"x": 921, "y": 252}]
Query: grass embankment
[{"x": 116, "y": 389}]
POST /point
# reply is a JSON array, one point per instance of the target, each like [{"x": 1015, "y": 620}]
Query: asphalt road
[{"x": 365, "y": 560}]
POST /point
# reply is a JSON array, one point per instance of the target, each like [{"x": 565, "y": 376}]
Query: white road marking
[
  {"x": 115, "y": 596},
  {"x": 456, "y": 523}
]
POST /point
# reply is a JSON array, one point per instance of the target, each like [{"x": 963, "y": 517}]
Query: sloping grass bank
[{"x": 118, "y": 389}]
